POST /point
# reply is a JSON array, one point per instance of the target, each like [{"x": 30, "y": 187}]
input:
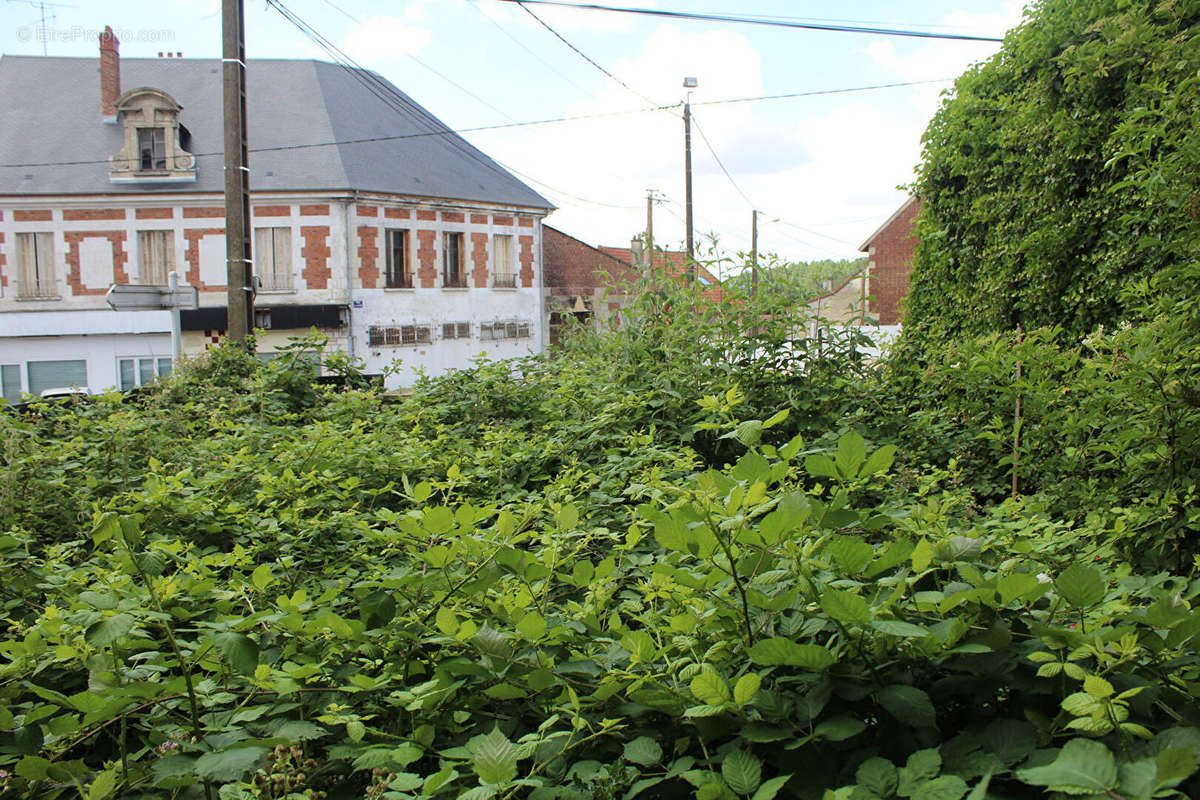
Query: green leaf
[
  {"x": 229, "y": 765},
  {"x": 742, "y": 771},
  {"x": 778, "y": 651},
  {"x": 1097, "y": 687},
  {"x": 776, "y": 418},
  {"x": 945, "y": 787},
  {"x": 909, "y": 705},
  {"x": 356, "y": 730},
  {"x": 644, "y": 751},
  {"x": 377, "y": 609},
  {"x": 1082, "y": 767},
  {"x": 749, "y": 432},
  {"x": 239, "y": 650},
  {"x": 495, "y": 758},
  {"x": 262, "y": 577},
  {"x": 108, "y": 630},
  {"x": 895, "y": 627},
  {"x": 851, "y": 452},
  {"x": 532, "y": 626},
  {"x": 845, "y": 607},
  {"x": 446, "y": 621},
  {"x": 104, "y": 785},
  {"x": 1081, "y": 586},
  {"x": 567, "y": 517},
  {"x": 980, "y": 792},
  {"x": 710, "y": 688},
  {"x": 298, "y": 730},
  {"x": 820, "y": 467},
  {"x": 922, "y": 555},
  {"x": 106, "y": 528},
  {"x": 1173, "y": 765},
  {"x": 880, "y": 461},
  {"x": 850, "y": 553},
  {"x": 839, "y": 728},
  {"x": 770, "y": 788},
  {"x": 878, "y": 775},
  {"x": 746, "y": 687}
]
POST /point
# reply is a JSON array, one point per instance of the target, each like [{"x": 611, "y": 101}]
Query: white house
[{"x": 372, "y": 221}]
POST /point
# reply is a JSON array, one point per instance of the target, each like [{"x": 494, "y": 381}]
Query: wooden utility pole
[
  {"x": 238, "y": 280},
  {"x": 754, "y": 252},
  {"x": 649, "y": 229}
]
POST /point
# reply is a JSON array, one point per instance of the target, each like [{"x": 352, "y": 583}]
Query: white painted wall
[{"x": 102, "y": 352}]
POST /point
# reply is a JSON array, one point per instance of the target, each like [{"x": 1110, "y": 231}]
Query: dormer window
[
  {"x": 152, "y": 144},
  {"x": 153, "y": 151}
]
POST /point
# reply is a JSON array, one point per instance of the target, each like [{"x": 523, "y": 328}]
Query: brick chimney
[{"x": 110, "y": 75}]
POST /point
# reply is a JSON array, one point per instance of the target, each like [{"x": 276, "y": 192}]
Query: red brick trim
[
  {"x": 479, "y": 219},
  {"x": 368, "y": 211},
  {"x": 75, "y": 273},
  {"x": 315, "y": 210},
  {"x": 499, "y": 220},
  {"x": 272, "y": 211},
  {"x": 368, "y": 256},
  {"x": 191, "y": 253},
  {"x": 33, "y": 215},
  {"x": 526, "y": 273},
  {"x": 397, "y": 213},
  {"x": 155, "y": 213},
  {"x": 206, "y": 212},
  {"x": 3, "y": 260},
  {"x": 479, "y": 257},
  {"x": 525, "y": 222},
  {"x": 427, "y": 216},
  {"x": 77, "y": 214},
  {"x": 427, "y": 258},
  {"x": 316, "y": 254},
  {"x": 453, "y": 216}
]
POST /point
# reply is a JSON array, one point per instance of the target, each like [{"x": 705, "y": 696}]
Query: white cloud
[{"x": 382, "y": 39}]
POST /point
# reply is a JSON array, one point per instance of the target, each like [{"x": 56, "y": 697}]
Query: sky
[{"x": 823, "y": 171}]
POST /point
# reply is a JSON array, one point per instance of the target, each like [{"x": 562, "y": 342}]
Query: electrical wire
[
  {"x": 581, "y": 54},
  {"x": 445, "y": 131},
  {"x": 779, "y": 23},
  {"x": 720, "y": 163},
  {"x": 524, "y": 47}
]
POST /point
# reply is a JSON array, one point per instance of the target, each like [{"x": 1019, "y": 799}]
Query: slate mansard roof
[{"x": 50, "y": 113}]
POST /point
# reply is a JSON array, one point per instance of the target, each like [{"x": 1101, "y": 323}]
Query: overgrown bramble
[{"x": 285, "y": 774}]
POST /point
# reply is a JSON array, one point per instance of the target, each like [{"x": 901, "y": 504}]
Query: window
[
  {"x": 10, "y": 382},
  {"x": 45, "y": 375},
  {"x": 156, "y": 256},
  {"x": 152, "y": 148},
  {"x": 35, "y": 254},
  {"x": 452, "y": 267},
  {"x": 135, "y": 372},
  {"x": 456, "y": 330},
  {"x": 503, "y": 276},
  {"x": 398, "y": 275},
  {"x": 273, "y": 257},
  {"x": 504, "y": 330},
  {"x": 396, "y": 335}
]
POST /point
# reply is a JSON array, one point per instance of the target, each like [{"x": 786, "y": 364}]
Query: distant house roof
[
  {"x": 675, "y": 263},
  {"x": 50, "y": 117},
  {"x": 865, "y": 246}
]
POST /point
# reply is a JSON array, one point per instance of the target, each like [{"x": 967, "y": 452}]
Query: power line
[
  {"x": 778, "y": 23},
  {"x": 576, "y": 198},
  {"x": 582, "y": 54},
  {"x": 444, "y": 131},
  {"x": 720, "y": 163},
  {"x": 523, "y": 46},
  {"x": 819, "y": 92}
]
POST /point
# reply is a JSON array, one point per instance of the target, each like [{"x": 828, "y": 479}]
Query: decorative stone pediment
[{"x": 153, "y": 146}]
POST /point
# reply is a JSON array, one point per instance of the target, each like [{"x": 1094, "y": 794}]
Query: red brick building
[{"x": 890, "y": 249}]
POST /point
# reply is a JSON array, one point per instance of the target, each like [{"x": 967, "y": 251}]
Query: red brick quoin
[
  {"x": 316, "y": 254},
  {"x": 368, "y": 255},
  {"x": 155, "y": 213},
  {"x": 3, "y": 261},
  {"x": 427, "y": 258},
  {"x": 526, "y": 261},
  {"x": 119, "y": 257},
  {"x": 191, "y": 253},
  {"x": 479, "y": 258},
  {"x": 33, "y": 215},
  {"x": 317, "y": 210},
  {"x": 893, "y": 245}
]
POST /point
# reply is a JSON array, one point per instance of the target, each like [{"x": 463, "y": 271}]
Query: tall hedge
[{"x": 1064, "y": 173}]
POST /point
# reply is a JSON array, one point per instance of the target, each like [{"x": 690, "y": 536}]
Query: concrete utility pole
[
  {"x": 649, "y": 229},
  {"x": 754, "y": 252},
  {"x": 688, "y": 83},
  {"x": 238, "y": 281}
]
